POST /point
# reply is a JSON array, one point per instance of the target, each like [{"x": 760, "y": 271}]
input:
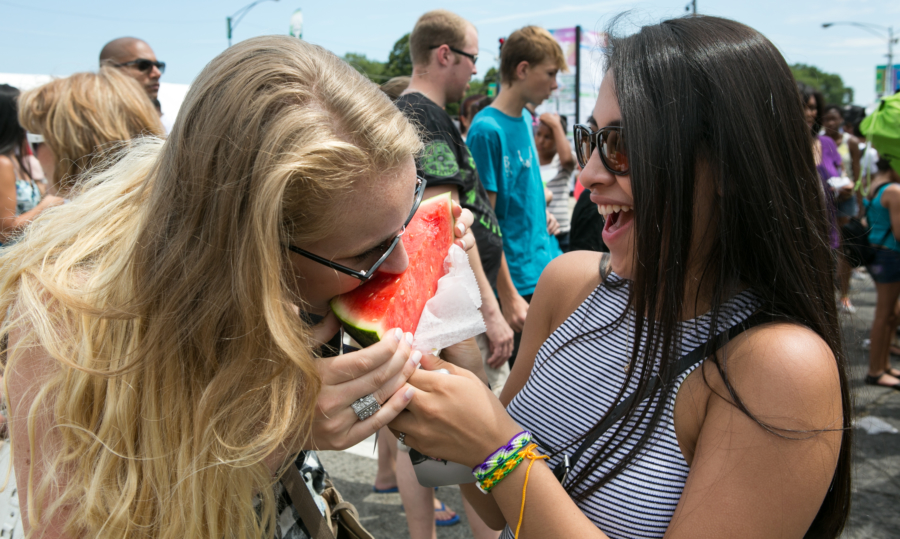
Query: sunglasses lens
[
  {"x": 582, "y": 146},
  {"x": 161, "y": 66},
  {"x": 614, "y": 150}
]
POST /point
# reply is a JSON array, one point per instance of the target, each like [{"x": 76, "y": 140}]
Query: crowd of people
[{"x": 662, "y": 354}]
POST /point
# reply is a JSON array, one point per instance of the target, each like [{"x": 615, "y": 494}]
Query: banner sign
[
  {"x": 879, "y": 79},
  {"x": 578, "y": 89}
]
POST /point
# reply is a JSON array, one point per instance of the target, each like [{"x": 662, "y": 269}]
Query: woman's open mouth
[{"x": 617, "y": 218}]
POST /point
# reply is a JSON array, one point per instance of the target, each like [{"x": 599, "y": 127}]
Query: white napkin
[{"x": 453, "y": 314}]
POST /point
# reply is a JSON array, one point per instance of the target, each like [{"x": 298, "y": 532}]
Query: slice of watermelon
[{"x": 389, "y": 300}]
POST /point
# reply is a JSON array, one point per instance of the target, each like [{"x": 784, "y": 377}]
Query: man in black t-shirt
[
  {"x": 443, "y": 47},
  {"x": 442, "y": 67}
]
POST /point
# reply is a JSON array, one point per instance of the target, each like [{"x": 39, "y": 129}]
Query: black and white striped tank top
[{"x": 572, "y": 386}]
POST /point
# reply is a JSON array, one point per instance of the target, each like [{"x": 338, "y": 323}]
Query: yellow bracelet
[{"x": 531, "y": 455}]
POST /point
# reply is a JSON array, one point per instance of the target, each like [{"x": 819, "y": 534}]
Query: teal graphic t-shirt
[{"x": 507, "y": 162}]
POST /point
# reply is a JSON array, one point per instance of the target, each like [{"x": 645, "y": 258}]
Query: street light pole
[
  {"x": 233, "y": 21},
  {"x": 889, "y": 68},
  {"x": 691, "y": 5}
]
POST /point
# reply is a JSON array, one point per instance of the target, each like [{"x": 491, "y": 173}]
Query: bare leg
[
  {"x": 387, "y": 460},
  {"x": 883, "y": 327},
  {"x": 480, "y": 530},
  {"x": 844, "y": 271},
  {"x": 418, "y": 501}
]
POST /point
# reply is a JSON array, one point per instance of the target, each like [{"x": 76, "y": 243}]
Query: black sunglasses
[
  {"x": 473, "y": 57},
  {"x": 611, "y": 143},
  {"x": 365, "y": 275},
  {"x": 143, "y": 64}
]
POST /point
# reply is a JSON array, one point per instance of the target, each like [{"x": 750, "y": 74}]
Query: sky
[{"x": 58, "y": 37}]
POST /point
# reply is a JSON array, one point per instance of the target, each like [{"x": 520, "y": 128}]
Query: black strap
[{"x": 684, "y": 363}]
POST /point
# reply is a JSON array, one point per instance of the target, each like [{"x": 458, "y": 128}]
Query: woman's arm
[
  {"x": 32, "y": 369},
  {"x": 744, "y": 480},
  {"x": 563, "y": 286},
  {"x": 10, "y": 223}
]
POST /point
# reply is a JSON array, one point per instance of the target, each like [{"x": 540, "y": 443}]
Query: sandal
[
  {"x": 449, "y": 521},
  {"x": 873, "y": 381},
  {"x": 389, "y": 490}
]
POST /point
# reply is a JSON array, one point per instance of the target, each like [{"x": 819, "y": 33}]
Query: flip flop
[
  {"x": 389, "y": 490},
  {"x": 873, "y": 381},
  {"x": 449, "y": 521}
]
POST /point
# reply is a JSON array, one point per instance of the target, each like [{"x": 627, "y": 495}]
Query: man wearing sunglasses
[{"x": 136, "y": 59}]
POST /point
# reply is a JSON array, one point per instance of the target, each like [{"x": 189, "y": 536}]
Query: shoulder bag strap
[
  {"x": 691, "y": 358},
  {"x": 305, "y": 505}
]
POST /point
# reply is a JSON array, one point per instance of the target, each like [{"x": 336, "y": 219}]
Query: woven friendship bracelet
[
  {"x": 487, "y": 484},
  {"x": 499, "y": 457}
]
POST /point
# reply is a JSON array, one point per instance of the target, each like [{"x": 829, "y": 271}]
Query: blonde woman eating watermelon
[
  {"x": 699, "y": 389},
  {"x": 158, "y": 369}
]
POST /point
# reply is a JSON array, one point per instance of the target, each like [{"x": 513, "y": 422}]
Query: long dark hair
[
  {"x": 807, "y": 91},
  {"x": 692, "y": 101},
  {"x": 12, "y": 135}
]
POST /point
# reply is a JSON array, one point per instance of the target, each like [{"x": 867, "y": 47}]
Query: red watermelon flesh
[{"x": 389, "y": 300}]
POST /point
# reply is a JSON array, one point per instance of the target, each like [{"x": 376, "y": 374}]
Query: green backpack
[{"x": 882, "y": 128}]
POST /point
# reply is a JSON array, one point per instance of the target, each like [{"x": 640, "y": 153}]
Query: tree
[
  {"x": 373, "y": 69},
  {"x": 399, "y": 62},
  {"x": 830, "y": 85}
]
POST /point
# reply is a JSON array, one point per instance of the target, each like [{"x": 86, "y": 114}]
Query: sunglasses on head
[
  {"x": 610, "y": 142},
  {"x": 143, "y": 64}
]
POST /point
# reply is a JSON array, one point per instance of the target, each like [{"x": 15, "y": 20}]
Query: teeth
[{"x": 607, "y": 209}]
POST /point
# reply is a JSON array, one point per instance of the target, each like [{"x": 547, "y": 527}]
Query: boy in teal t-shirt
[
  {"x": 502, "y": 144},
  {"x": 507, "y": 162}
]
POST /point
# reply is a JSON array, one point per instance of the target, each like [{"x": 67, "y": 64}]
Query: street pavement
[{"x": 875, "y": 512}]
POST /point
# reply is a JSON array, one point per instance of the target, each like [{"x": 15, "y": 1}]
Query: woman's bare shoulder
[
  {"x": 566, "y": 282},
  {"x": 784, "y": 371}
]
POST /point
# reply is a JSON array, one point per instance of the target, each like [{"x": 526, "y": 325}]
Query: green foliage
[
  {"x": 399, "y": 63},
  {"x": 476, "y": 87},
  {"x": 373, "y": 69},
  {"x": 479, "y": 86},
  {"x": 830, "y": 85}
]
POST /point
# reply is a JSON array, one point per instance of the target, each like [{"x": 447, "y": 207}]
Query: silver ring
[
  {"x": 402, "y": 438},
  {"x": 365, "y": 407}
]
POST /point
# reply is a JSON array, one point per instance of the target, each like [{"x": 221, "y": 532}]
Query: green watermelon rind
[
  {"x": 368, "y": 334},
  {"x": 365, "y": 336}
]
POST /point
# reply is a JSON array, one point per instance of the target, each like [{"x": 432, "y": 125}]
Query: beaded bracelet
[{"x": 499, "y": 458}]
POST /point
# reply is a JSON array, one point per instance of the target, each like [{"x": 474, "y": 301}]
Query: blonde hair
[
  {"x": 83, "y": 115},
  {"x": 394, "y": 87},
  {"x": 531, "y": 44},
  {"x": 435, "y": 28},
  {"x": 162, "y": 293}
]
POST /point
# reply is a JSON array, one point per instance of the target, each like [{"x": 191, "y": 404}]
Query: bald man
[{"x": 136, "y": 59}]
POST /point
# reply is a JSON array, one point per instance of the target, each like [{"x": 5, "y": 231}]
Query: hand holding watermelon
[
  {"x": 453, "y": 417},
  {"x": 380, "y": 370}
]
